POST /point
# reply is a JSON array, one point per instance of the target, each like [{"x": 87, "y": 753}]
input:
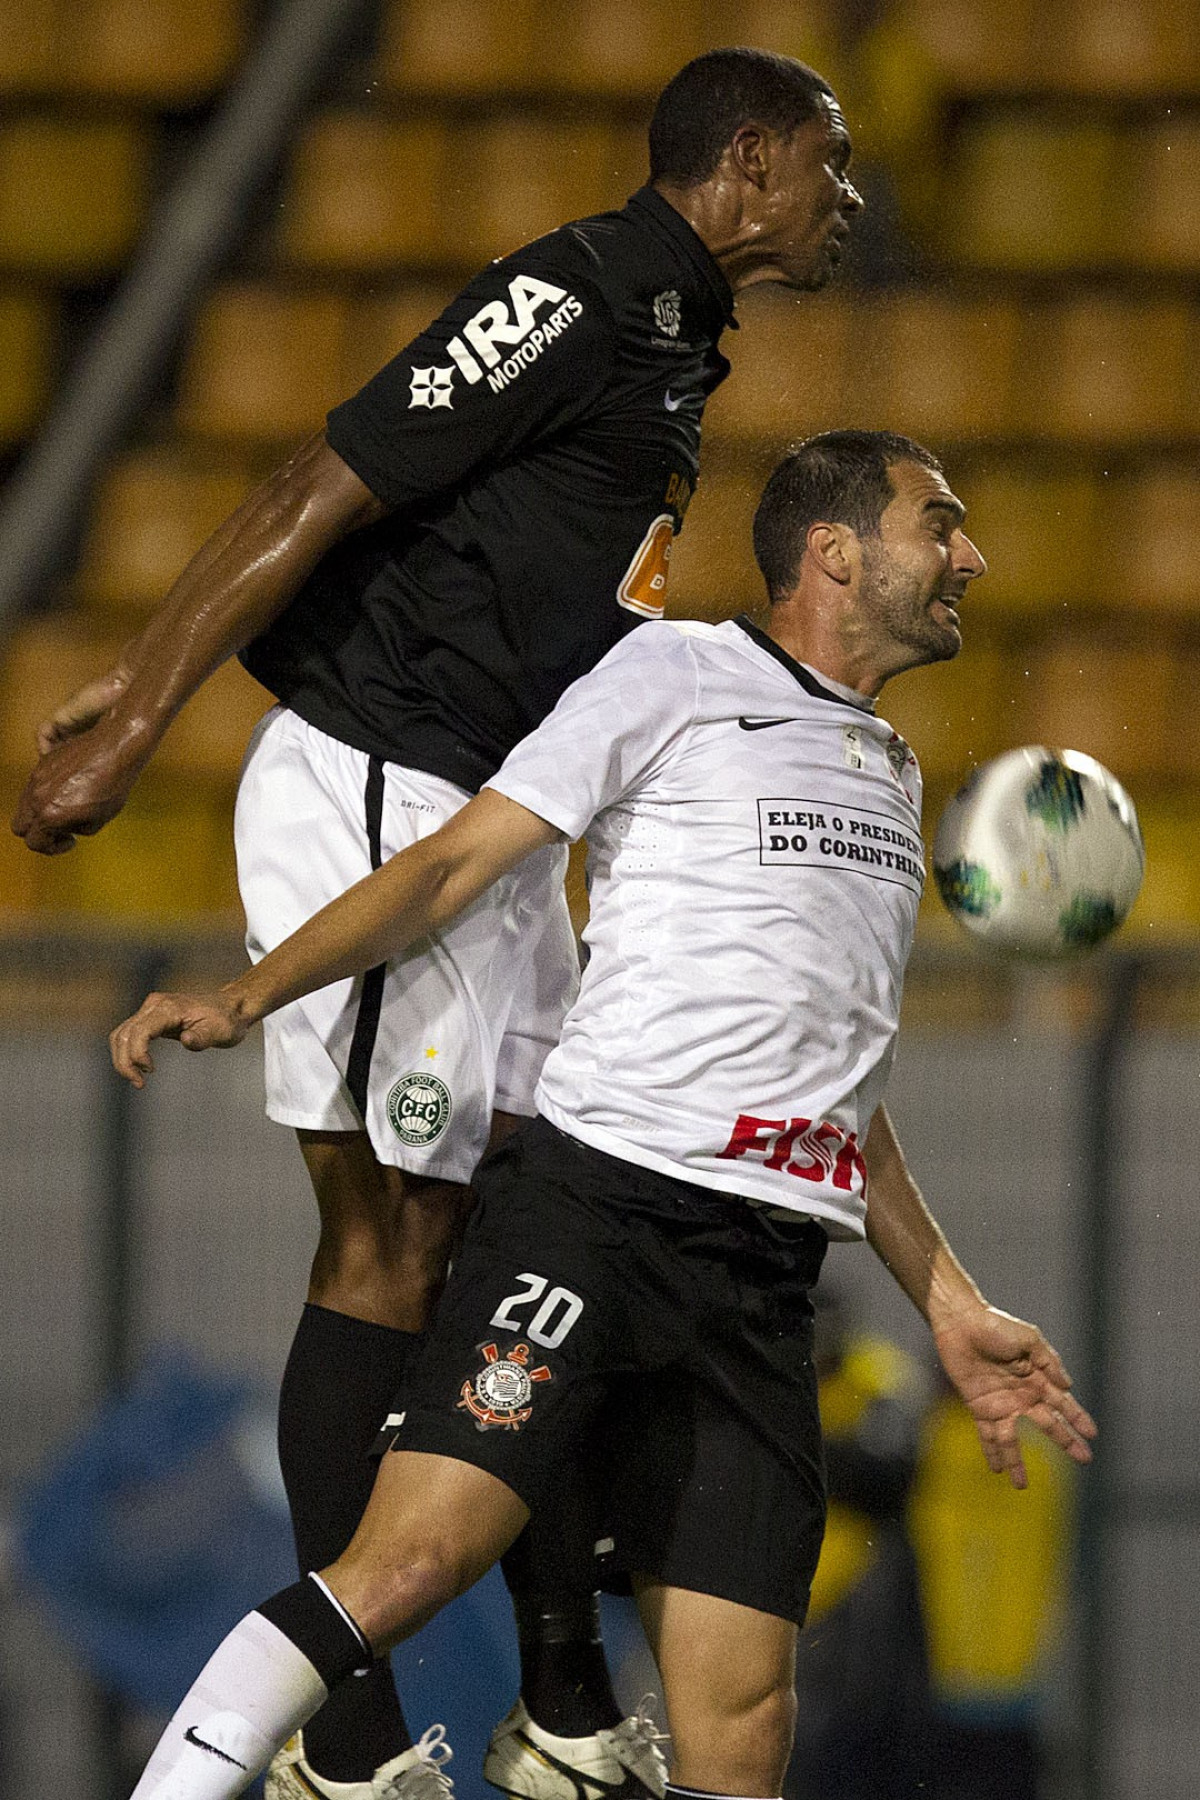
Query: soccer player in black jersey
[{"x": 417, "y": 586}]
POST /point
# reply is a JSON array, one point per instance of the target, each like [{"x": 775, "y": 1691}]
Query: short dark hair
[
  {"x": 712, "y": 96},
  {"x": 839, "y": 477}
]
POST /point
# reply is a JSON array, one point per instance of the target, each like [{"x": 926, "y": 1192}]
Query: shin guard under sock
[
  {"x": 564, "y": 1675},
  {"x": 341, "y": 1378},
  {"x": 261, "y": 1684}
]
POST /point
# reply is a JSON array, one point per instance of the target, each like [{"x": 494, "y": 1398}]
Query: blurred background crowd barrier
[{"x": 1023, "y": 295}]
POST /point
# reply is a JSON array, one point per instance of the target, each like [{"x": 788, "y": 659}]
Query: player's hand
[
  {"x": 198, "y": 1021},
  {"x": 80, "y": 782},
  {"x": 1005, "y": 1371},
  {"x": 82, "y": 710}
]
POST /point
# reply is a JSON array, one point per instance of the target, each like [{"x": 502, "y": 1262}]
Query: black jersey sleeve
[{"x": 526, "y": 348}]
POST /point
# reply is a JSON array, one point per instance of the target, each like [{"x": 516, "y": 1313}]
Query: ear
[
  {"x": 833, "y": 548},
  {"x": 750, "y": 154}
]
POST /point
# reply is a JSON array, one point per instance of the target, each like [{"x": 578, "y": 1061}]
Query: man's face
[
  {"x": 915, "y": 572},
  {"x": 809, "y": 200}
]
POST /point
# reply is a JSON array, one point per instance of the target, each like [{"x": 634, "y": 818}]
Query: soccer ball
[{"x": 1039, "y": 853}]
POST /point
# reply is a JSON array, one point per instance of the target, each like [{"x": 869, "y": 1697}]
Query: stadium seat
[
  {"x": 1112, "y": 700},
  {"x": 164, "y": 52},
  {"x": 1151, "y": 547},
  {"x": 29, "y": 31},
  {"x": 43, "y": 662},
  {"x": 72, "y": 193},
  {"x": 208, "y": 740},
  {"x": 27, "y": 335},
  {"x": 623, "y": 49},
  {"x": 525, "y": 176},
  {"x": 957, "y": 714},
  {"x": 153, "y": 510},
  {"x": 1168, "y": 906},
  {"x": 937, "y": 367},
  {"x": 367, "y": 193},
  {"x": 1029, "y": 191},
  {"x": 713, "y": 572},
  {"x": 1037, "y": 529},
  {"x": 380, "y": 329},
  {"x": 1162, "y": 212},
  {"x": 979, "y": 46},
  {"x": 1107, "y": 367},
  {"x": 167, "y": 857},
  {"x": 1126, "y": 47},
  {"x": 459, "y": 47},
  {"x": 264, "y": 364},
  {"x": 791, "y": 370}
]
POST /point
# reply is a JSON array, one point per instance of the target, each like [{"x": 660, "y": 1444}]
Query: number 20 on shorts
[{"x": 557, "y": 1311}]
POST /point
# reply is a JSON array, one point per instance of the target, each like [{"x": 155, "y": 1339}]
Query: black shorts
[{"x": 608, "y": 1325}]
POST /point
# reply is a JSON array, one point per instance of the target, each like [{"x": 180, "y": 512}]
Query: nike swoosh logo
[
  {"x": 190, "y": 1735},
  {"x": 763, "y": 724},
  {"x": 673, "y": 402}
]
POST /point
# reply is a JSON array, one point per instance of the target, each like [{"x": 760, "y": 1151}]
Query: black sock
[
  {"x": 564, "y": 1675},
  {"x": 321, "y": 1628},
  {"x": 341, "y": 1378}
]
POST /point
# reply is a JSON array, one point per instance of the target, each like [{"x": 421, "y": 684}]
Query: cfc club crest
[
  {"x": 668, "y": 312},
  {"x": 419, "y": 1108},
  {"x": 432, "y": 387},
  {"x": 500, "y": 1395}
]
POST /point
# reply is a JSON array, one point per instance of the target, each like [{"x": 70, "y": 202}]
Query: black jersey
[{"x": 538, "y": 446}]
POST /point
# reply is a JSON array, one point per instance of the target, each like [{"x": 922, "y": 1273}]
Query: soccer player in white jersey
[{"x": 633, "y": 1291}]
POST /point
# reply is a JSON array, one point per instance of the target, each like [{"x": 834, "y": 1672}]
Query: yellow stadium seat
[
  {"x": 1105, "y": 367},
  {"x": 1112, "y": 700},
  {"x": 1126, "y": 46},
  {"x": 27, "y": 334},
  {"x": 529, "y": 176},
  {"x": 1162, "y": 208},
  {"x": 1028, "y": 191},
  {"x": 453, "y": 47},
  {"x": 72, "y": 193},
  {"x": 207, "y": 741},
  {"x": 1168, "y": 907},
  {"x": 153, "y": 510},
  {"x": 167, "y": 857},
  {"x": 939, "y": 367},
  {"x": 979, "y": 46},
  {"x": 713, "y": 572},
  {"x": 791, "y": 371},
  {"x": 29, "y": 34},
  {"x": 1037, "y": 530},
  {"x": 170, "y": 52},
  {"x": 263, "y": 364},
  {"x": 44, "y": 661},
  {"x": 380, "y": 329},
  {"x": 957, "y": 714},
  {"x": 367, "y": 193},
  {"x": 623, "y": 49},
  {"x": 1151, "y": 550}
]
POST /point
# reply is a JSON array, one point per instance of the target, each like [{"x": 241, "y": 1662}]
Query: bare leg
[
  {"x": 386, "y": 1236},
  {"x": 729, "y": 1683},
  {"x": 432, "y": 1528}
]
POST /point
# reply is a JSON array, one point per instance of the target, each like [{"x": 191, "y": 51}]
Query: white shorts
[{"x": 421, "y": 1050}]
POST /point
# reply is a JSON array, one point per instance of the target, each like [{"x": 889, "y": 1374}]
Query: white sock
[{"x": 254, "y": 1691}]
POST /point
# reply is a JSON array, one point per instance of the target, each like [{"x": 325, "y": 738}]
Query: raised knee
[{"x": 390, "y": 1598}]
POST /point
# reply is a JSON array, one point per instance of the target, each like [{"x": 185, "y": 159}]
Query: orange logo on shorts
[{"x": 500, "y": 1394}]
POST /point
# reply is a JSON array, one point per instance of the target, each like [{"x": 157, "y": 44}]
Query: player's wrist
[{"x": 245, "y": 1009}]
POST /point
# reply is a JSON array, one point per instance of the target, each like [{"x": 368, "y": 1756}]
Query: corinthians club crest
[{"x": 500, "y": 1394}]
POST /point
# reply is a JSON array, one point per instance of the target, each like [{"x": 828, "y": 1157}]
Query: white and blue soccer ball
[{"x": 1039, "y": 854}]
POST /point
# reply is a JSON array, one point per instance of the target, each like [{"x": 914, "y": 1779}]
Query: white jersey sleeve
[{"x": 609, "y": 731}]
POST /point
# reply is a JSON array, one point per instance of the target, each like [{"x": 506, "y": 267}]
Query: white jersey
[{"x": 755, "y": 863}]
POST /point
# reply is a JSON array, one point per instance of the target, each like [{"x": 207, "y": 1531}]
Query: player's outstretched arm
[
  {"x": 94, "y": 746},
  {"x": 1002, "y": 1367},
  {"x": 413, "y": 895}
]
